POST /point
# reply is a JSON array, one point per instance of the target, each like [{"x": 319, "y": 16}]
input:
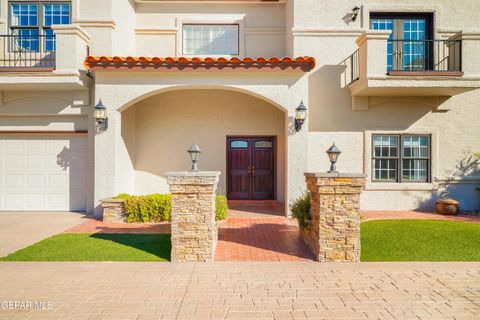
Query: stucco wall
[
  {"x": 159, "y": 26},
  {"x": 167, "y": 124}
]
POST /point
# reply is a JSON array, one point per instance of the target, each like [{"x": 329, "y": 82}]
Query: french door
[
  {"x": 410, "y": 47},
  {"x": 251, "y": 168}
]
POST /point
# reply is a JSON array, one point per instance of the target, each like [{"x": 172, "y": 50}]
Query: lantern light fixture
[
  {"x": 355, "y": 12},
  {"x": 100, "y": 113},
  {"x": 333, "y": 154},
  {"x": 300, "y": 116},
  {"x": 194, "y": 153}
]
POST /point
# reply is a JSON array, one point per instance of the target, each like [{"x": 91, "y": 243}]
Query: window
[
  {"x": 31, "y": 22},
  {"x": 239, "y": 144},
  {"x": 210, "y": 39},
  {"x": 401, "y": 158}
]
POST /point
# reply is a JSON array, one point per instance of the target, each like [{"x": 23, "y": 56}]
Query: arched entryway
[{"x": 157, "y": 131}]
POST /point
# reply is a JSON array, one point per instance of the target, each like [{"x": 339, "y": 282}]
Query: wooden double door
[{"x": 251, "y": 168}]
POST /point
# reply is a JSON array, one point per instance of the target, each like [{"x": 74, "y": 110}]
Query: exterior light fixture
[
  {"x": 100, "y": 113},
  {"x": 333, "y": 154},
  {"x": 300, "y": 116},
  {"x": 194, "y": 153},
  {"x": 355, "y": 12}
]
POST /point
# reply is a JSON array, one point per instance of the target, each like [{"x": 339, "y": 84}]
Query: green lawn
[
  {"x": 97, "y": 247},
  {"x": 420, "y": 240}
]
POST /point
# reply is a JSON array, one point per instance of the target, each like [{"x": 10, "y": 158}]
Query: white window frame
[
  {"x": 406, "y": 186},
  {"x": 234, "y": 20}
]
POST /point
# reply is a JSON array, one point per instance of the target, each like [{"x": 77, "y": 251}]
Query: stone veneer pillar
[
  {"x": 194, "y": 229},
  {"x": 334, "y": 231}
]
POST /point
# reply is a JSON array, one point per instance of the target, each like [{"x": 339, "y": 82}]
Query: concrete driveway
[{"x": 21, "y": 229}]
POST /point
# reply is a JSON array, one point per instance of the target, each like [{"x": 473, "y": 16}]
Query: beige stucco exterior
[{"x": 155, "y": 116}]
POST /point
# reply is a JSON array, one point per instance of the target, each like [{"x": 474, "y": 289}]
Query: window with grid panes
[
  {"x": 210, "y": 39},
  {"x": 29, "y": 20},
  {"x": 401, "y": 158}
]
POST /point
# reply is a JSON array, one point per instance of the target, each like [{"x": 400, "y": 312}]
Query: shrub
[
  {"x": 221, "y": 208},
  {"x": 158, "y": 207},
  {"x": 300, "y": 209},
  {"x": 151, "y": 208}
]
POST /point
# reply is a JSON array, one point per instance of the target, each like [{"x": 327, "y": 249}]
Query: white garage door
[{"x": 43, "y": 172}]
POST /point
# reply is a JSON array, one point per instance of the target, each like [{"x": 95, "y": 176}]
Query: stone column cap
[
  {"x": 193, "y": 174},
  {"x": 335, "y": 175}
]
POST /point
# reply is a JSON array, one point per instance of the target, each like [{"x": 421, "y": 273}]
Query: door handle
[
  {"x": 395, "y": 54},
  {"x": 253, "y": 171},
  {"x": 400, "y": 54},
  {"x": 249, "y": 170}
]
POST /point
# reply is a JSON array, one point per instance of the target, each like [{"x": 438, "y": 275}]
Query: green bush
[
  {"x": 150, "y": 208},
  {"x": 158, "y": 207},
  {"x": 300, "y": 209},
  {"x": 221, "y": 208}
]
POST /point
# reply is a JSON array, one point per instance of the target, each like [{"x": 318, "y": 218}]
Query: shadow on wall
[
  {"x": 332, "y": 103},
  {"x": 461, "y": 185}
]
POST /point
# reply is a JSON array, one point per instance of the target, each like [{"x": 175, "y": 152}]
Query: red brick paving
[
  {"x": 394, "y": 215},
  {"x": 97, "y": 226},
  {"x": 260, "y": 232}
]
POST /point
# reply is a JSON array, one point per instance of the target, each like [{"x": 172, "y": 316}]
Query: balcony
[
  {"x": 32, "y": 62},
  {"x": 23, "y": 53},
  {"x": 431, "y": 69}
]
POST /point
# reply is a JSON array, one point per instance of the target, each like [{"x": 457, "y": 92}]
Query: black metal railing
[
  {"x": 27, "y": 51},
  {"x": 354, "y": 66},
  {"x": 425, "y": 55}
]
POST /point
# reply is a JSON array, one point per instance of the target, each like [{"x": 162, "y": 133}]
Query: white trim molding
[{"x": 326, "y": 32}]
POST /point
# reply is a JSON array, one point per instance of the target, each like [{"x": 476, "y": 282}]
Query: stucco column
[
  {"x": 334, "y": 231},
  {"x": 194, "y": 229},
  {"x": 72, "y": 43},
  {"x": 373, "y": 53}
]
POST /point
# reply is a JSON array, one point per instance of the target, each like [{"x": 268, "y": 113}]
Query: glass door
[{"x": 408, "y": 47}]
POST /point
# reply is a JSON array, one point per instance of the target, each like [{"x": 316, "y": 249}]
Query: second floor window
[
  {"x": 31, "y": 23},
  {"x": 210, "y": 39}
]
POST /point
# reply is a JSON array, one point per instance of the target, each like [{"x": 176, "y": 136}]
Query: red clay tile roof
[{"x": 182, "y": 63}]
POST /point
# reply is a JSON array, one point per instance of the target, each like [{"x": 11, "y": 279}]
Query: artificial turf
[
  {"x": 420, "y": 240},
  {"x": 97, "y": 247}
]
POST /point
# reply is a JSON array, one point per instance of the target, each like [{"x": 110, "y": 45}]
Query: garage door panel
[
  {"x": 34, "y": 200},
  {"x": 43, "y": 173},
  {"x": 36, "y": 181},
  {"x": 12, "y": 201},
  {"x": 35, "y": 161},
  {"x": 36, "y": 144},
  {"x": 57, "y": 201},
  {"x": 13, "y": 161},
  {"x": 14, "y": 144},
  {"x": 14, "y": 181},
  {"x": 57, "y": 181}
]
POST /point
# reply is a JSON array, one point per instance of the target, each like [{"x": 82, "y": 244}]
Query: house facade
[{"x": 395, "y": 85}]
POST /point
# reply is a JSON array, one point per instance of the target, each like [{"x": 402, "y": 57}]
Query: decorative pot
[{"x": 448, "y": 206}]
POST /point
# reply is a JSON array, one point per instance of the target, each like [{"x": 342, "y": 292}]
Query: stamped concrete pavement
[
  {"x": 21, "y": 229},
  {"x": 236, "y": 290}
]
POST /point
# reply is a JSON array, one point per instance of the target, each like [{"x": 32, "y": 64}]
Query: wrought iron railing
[
  {"x": 27, "y": 51},
  {"x": 354, "y": 66},
  {"x": 425, "y": 55}
]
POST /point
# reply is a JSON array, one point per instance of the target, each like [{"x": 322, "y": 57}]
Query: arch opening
[{"x": 157, "y": 131}]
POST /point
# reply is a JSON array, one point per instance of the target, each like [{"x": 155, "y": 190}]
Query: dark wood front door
[{"x": 251, "y": 168}]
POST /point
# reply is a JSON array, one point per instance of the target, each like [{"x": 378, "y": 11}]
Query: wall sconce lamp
[
  {"x": 100, "y": 114},
  {"x": 333, "y": 154},
  {"x": 194, "y": 153},
  {"x": 300, "y": 116},
  {"x": 355, "y": 12}
]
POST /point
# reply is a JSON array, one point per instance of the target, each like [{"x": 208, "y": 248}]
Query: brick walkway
[
  {"x": 297, "y": 290},
  {"x": 382, "y": 215},
  {"x": 260, "y": 232}
]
